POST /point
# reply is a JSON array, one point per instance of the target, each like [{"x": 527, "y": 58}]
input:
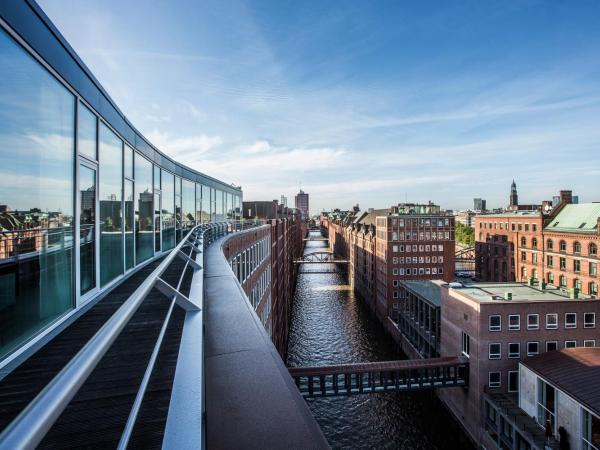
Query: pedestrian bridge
[
  {"x": 320, "y": 258},
  {"x": 386, "y": 376}
]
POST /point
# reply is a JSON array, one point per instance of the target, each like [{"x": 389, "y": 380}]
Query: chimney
[{"x": 566, "y": 197}]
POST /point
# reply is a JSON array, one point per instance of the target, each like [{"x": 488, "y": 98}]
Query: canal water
[{"x": 330, "y": 326}]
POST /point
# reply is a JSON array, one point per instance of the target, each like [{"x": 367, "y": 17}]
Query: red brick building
[
  {"x": 387, "y": 246},
  {"x": 497, "y": 325},
  {"x": 262, "y": 259},
  {"x": 559, "y": 248}
]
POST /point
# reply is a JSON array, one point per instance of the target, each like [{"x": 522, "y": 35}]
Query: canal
[{"x": 329, "y": 326}]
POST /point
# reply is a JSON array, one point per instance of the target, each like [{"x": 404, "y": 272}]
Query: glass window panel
[
  {"x": 37, "y": 117},
  {"x": 188, "y": 204},
  {"x": 110, "y": 195},
  {"x": 156, "y": 177},
  {"x": 129, "y": 214},
  {"x": 86, "y": 132},
  {"x": 168, "y": 210},
  {"x": 205, "y": 204},
  {"x": 128, "y": 161},
  {"x": 144, "y": 247},
  {"x": 178, "y": 218},
  {"x": 87, "y": 229},
  {"x": 219, "y": 206}
]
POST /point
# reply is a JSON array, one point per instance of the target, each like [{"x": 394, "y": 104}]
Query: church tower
[{"x": 514, "y": 198}]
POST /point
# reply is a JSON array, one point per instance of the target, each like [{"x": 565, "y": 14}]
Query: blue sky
[{"x": 361, "y": 102}]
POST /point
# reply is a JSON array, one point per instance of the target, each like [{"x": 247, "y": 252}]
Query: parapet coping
[{"x": 251, "y": 399}]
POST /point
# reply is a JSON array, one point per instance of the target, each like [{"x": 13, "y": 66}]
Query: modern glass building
[{"x": 85, "y": 199}]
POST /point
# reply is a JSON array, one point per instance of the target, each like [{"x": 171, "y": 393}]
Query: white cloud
[{"x": 185, "y": 148}]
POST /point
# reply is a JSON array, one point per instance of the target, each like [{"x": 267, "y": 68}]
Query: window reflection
[
  {"x": 129, "y": 242},
  {"x": 188, "y": 201},
  {"x": 110, "y": 195},
  {"x": 144, "y": 247},
  {"x": 86, "y": 132},
  {"x": 168, "y": 210},
  {"x": 87, "y": 229},
  {"x": 37, "y": 117}
]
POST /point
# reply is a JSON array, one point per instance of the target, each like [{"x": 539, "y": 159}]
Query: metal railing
[{"x": 32, "y": 424}]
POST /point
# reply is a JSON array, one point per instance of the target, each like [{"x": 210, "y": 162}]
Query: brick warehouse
[
  {"x": 559, "y": 248},
  {"x": 262, "y": 259},
  {"x": 387, "y": 246}
]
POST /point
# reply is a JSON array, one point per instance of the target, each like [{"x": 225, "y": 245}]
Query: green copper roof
[
  {"x": 581, "y": 218},
  {"x": 428, "y": 289}
]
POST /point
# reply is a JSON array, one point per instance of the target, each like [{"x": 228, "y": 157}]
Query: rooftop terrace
[{"x": 521, "y": 292}]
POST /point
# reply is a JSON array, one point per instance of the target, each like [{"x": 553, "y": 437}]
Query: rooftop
[
  {"x": 513, "y": 214},
  {"x": 575, "y": 371},
  {"x": 580, "y": 218},
  {"x": 430, "y": 290},
  {"x": 521, "y": 292}
]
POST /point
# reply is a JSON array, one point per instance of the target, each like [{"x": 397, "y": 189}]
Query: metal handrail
[{"x": 28, "y": 429}]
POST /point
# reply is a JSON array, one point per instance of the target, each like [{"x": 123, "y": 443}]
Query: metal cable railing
[{"x": 32, "y": 424}]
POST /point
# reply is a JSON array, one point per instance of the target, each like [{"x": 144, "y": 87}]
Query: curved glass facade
[{"x": 80, "y": 203}]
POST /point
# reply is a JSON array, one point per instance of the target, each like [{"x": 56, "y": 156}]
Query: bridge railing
[
  {"x": 408, "y": 375},
  {"x": 184, "y": 421}
]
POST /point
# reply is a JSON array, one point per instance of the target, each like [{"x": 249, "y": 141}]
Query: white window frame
[
  {"x": 494, "y": 355},
  {"x": 516, "y": 327},
  {"x": 589, "y": 324},
  {"x": 588, "y": 341},
  {"x": 514, "y": 355},
  {"x": 495, "y": 327},
  {"x": 538, "y": 348},
  {"x": 533, "y": 327},
  {"x": 499, "y": 384},
  {"x": 567, "y": 325},
  {"x": 554, "y": 326},
  {"x": 551, "y": 342},
  {"x": 568, "y": 344}
]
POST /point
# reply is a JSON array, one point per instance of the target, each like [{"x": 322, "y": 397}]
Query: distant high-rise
[
  {"x": 514, "y": 197},
  {"x": 479, "y": 204},
  {"x": 283, "y": 201},
  {"x": 302, "y": 204}
]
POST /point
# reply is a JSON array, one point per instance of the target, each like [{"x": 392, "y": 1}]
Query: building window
[
  {"x": 570, "y": 344},
  {"x": 551, "y": 346},
  {"x": 523, "y": 241},
  {"x": 494, "y": 379},
  {"x": 593, "y": 269},
  {"x": 513, "y": 381},
  {"x": 571, "y": 320},
  {"x": 514, "y": 350},
  {"x": 576, "y": 247},
  {"x": 589, "y": 343},
  {"x": 495, "y": 323},
  {"x": 514, "y": 322},
  {"x": 576, "y": 265},
  {"x": 546, "y": 404},
  {"x": 533, "y": 321},
  {"x": 563, "y": 281},
  {"x": 533, "y": 348},
  {"x": 550, "y": 278},
  {"x": 549, "y": 260},
  {"x": 589, "y": 320},
  {"x": 549, "y": 244},
  {"x": 563, "y": 246},
  {"x": 465, "y": 343},
  {"x": 591, "y": 431},
  {"x": 534, "y": 243},
  {"x": 593, "y": 288},
  {"x": 551, "y": 321},
  {"x": 593, "y": 249},
  {"x": 563, "y": 263},
  {"x": 523, "y": 256},
  {"x": 494, "y": 350}
]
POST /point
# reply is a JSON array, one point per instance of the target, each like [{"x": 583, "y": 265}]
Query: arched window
[
  {"x": 549, "y": 244},
  {"x": 523, "y": 241},
  {"x": 534, "y": 243},
  {"x": 523, "y": 272},
  {"x": 593, "y": 288},
  {"x": 576, "y": 247},
  {"x": 563, "y": 246},
  {"x": 550, "y": 278},
  {"x": 563, "y": 281},
  {"x": 593, "y": 249}
]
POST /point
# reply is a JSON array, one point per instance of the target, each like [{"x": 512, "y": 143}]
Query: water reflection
[{"x": 329, "y": 325}]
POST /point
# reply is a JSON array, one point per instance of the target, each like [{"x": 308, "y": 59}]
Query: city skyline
[{"x": 371, "y": 104}]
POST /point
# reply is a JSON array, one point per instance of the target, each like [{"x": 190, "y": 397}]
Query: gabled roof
[
  {"x": 369, "y": 219},
  {"x": 581, "y": 218}
]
